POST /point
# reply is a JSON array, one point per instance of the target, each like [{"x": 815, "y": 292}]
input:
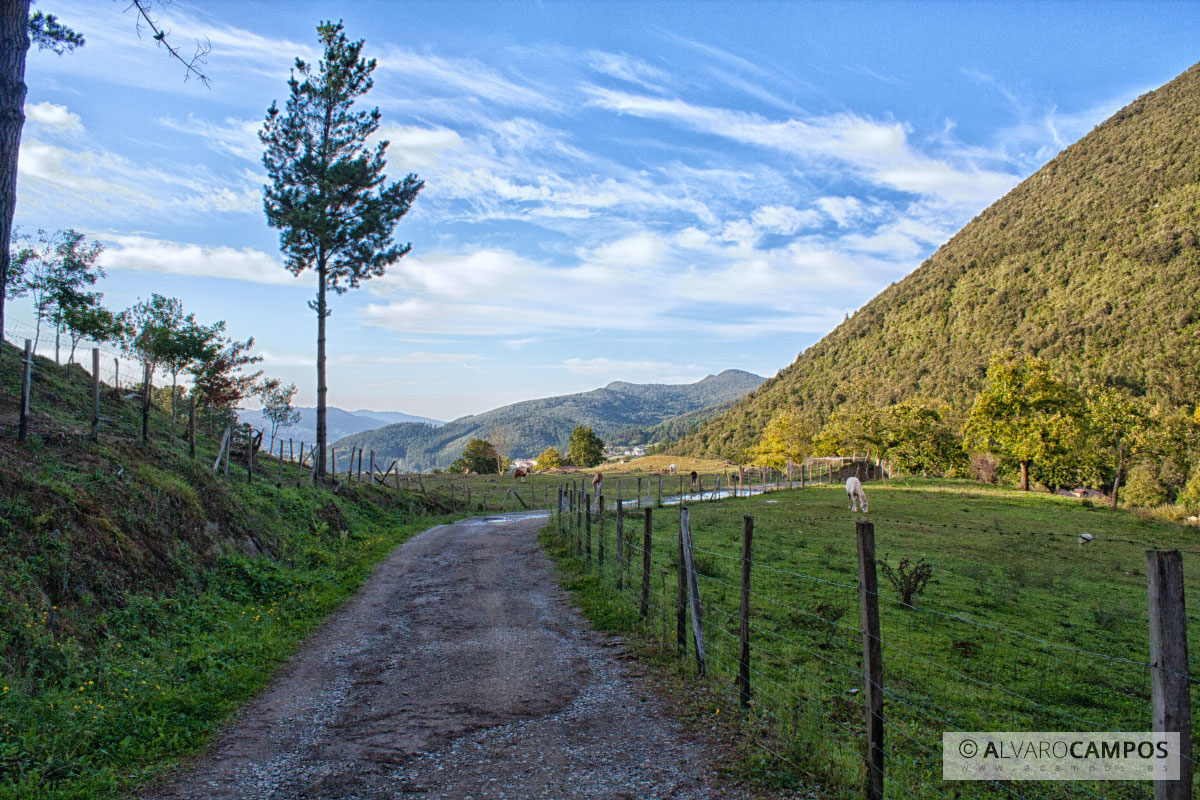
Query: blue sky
[{"x": 648, "y": 192}]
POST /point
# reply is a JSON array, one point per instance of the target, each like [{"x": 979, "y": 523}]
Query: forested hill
[
  {"x": 533, "y": 425},
  {"x": 1092, "y": 263}
]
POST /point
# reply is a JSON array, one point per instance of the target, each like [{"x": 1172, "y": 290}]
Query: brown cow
[
  {"x": 597, "y": 483},
  {"x": 695, "y": 476},
  {"x": 520, "y": 473}
]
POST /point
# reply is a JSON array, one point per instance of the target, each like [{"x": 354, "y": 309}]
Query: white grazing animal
[
  {"x": 855, "y": 491},
  {"x": 1084, "y": 538}
]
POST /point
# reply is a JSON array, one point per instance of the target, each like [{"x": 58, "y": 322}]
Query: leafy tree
[
  {"x": 55, "y": 269},
  {"x": 150, "y": 326},
  {"x": 183, "y": 345},
  {"x": 851, "y": 429},
  {"x": 87, "y": 319},
  {"x": 919, "y": 439},
  {"x": 550, "y": 458},
  {"x": 1116, "y": 419},
  {"x": 277, "y": 405},
  {"x": 478, "y": 456},
  {"x": 789, "y": 434},
  {"x": 328, "y": 194},
  {"x": 584, "y": 448},
  {"x": 220, "y": 379},
  {"x": 1019, "y": 413}
]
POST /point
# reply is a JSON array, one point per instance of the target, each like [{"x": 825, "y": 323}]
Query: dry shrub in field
[
  {"x": 983, "y": 467},
  {"x": 908, "y": 579}
]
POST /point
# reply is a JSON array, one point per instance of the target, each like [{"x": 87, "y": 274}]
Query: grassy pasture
[{"x": 1020, "y": 628}]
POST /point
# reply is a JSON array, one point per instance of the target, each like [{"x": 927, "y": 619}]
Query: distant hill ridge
[
  {"x": 533, "y": 425},
  {"x": 1092, "y": 263},
  {"x": 339, "y": 421}
]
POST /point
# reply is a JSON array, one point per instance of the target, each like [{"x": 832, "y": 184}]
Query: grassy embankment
[
  {"x": 1001, "y": 560},
  {"x": 144, "y": 599}
]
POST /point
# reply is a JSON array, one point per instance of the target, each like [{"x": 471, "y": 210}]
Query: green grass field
[{"x": 1019, "y": 629}]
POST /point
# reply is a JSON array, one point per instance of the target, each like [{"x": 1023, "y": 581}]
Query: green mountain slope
[
  {"x": 1092, "y": 263},
  {"x": 533, "y": 425}
]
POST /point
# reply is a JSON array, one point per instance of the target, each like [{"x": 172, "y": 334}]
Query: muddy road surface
[{"x": 459, "y": 670}]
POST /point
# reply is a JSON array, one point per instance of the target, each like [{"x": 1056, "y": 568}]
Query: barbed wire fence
[{"x": 820, "y": 684}]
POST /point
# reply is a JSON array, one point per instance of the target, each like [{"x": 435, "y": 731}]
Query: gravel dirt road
[{"x": 459, "y": 670}]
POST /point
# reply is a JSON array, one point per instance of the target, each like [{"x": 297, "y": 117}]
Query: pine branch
[{"x": 198, "y": 59}]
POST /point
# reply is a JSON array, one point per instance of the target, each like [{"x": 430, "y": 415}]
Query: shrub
[
  {"x": 908, "y": 579},
  {"x": 1143, "y": 487}
]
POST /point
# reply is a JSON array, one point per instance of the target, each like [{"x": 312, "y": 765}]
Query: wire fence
[{"x": 942, "y": 669}]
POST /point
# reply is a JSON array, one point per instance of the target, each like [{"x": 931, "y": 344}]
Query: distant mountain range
[
  {"x": 529, "y": 427},
  {"x": 339, "y": 421},
  {"x": 1092, "y": 263}
]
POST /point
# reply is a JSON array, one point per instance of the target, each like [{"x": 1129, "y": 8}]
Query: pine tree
[{"x": 328, "y": 194}]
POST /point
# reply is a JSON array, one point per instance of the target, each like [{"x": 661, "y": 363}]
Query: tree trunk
[
  {"x": 14, "y": 43},
  {"x": 322, "y": 389},
  {"x": 1024, "y": 476}
]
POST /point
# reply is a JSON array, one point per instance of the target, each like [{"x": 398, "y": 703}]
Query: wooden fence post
[
  {"x": 95, "y": 394},
  {"x": 146, "y": 405},
  {"x": 221, "y": 450},
  {"x": 587, "y": 517},
  {"x": 1170, "y": 696},
  {"x": 250, "y": 456},
  {"x": 620, "y": 544},
  {"x": 373, "y": 467},
  {"x": 117, "y": 373},
  {"x": 659, "y": 502},
  {"x": 681, "y": 586},
  {"x": 639, "y": 497},
  {"x": 693, "y": 585},
  {"x": 645, "y": 604},
  {"x": 578, "y": 518},
  {"x": 868, "y": 595},
  {"x": 600, "y": 530},
  {"x": 744, "y": 663},
  {"x": 23, "y": 426},
  {"x": 192, "y": 428}
]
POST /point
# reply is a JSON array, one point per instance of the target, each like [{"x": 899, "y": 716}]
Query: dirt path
[{"x": 458, "y": 671}]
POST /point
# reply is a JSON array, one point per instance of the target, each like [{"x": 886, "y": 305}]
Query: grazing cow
[
  {"x": 674, "y": 468},
  {"x": 597, "y": 484},
  {"x": 855, "y": 491},
  {"x": 520, "y": 473},
  {"x": 695, "y": 476}
]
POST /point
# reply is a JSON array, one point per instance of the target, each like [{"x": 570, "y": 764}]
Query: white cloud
[
  {"x": 660, "y": 370},
  {"x": 843, "y": 210},
  {"x": 472, "y": 77},
  {"x": 237, "y": 137},
  {"x": 625, "y": 67},
  {"x": 53, "y": 116},
  {"x": 785, "y": 220},
  {"x": 415, "y": 357},
  {"x": 877, "y": 151},
  {"x": 172, "y": 258}
]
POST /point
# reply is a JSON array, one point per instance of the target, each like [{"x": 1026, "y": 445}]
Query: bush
[
  {"x": 1143, "y": 487},
  {"x": 908, "y": 579}
]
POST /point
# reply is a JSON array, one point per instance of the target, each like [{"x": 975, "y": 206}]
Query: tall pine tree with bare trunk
[{"x": 328, "y": 194}]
